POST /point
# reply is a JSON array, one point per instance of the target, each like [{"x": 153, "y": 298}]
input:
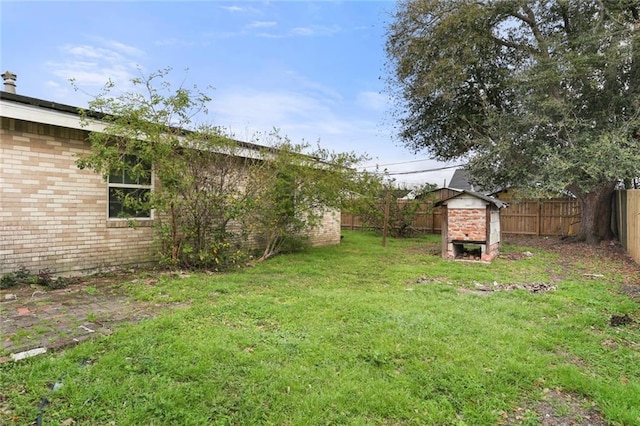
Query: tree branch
[
  {"x": 516, "y": 46},
  {"x": 542, "y": 43}
]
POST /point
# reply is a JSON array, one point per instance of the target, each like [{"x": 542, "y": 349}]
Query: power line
[
  {"x": 395, "y": 164},
  {"x": 421, "y": 171}
]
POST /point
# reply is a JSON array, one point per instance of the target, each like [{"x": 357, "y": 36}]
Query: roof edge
[
  {"x": 496, "y": 202},
  {"x": 46, "y": 104},
  {"x": 69, "y": 109}
]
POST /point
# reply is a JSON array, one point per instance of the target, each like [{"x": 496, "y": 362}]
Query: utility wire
[
  {"x": 395, "y": 164},
  {"x": 420, "y": 171}
]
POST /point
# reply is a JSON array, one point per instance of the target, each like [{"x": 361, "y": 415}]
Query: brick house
[
  {"x": 471, "y": 219},
  {"x": 53, "y": 214}
]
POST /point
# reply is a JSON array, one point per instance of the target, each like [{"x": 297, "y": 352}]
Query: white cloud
[
  {"x": 302, "y": 31},
  {"x": 262, "y": 24},
  {"x": 315, "y": 30},
  {"x": 271, "y": 29},
  {"x": 223, "y": 34},
  {"x": 94, "y": 76},
  {"x": 298, "y": 114},
  {"x": 233, "y": 8},
  {"x": 372, "y": 100},
  {"x": 270, "y": 35},
  {"x": 303, "y": 109},
  {"x": 83, "y": 51},
  {"x": 238, "y": 9},
  {"x": 172, "y": 41},
  {"x": 294, "y": 79},
  {"x": 263, "y": 108},
  {"x": 91, "y": 66},
  {"x": 169, "y": 41},
  {"x": 123, "y": 48}
]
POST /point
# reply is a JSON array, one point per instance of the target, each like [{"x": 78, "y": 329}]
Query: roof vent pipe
[{"x": 9, "y": 82}]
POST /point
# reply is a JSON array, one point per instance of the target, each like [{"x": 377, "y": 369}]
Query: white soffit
[
  {"x": 41, "y": 115},
  {"x": 37, "y": 114}
]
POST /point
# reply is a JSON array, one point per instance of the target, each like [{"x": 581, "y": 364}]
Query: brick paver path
[{"x": 32, "y": 318}]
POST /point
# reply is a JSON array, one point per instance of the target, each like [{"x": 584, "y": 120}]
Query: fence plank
[
  {"x": 633, "y": 223},
  {"x": 521, "y": 218},
  {"x": 621, "y": 216}
]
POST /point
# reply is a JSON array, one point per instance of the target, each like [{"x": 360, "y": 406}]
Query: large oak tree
[{"x": 543, "y": 95}]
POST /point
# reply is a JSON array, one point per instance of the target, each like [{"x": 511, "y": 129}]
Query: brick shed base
[{"x": 488, "y": 253}]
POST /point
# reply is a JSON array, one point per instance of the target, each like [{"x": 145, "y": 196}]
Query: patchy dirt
[
  {"x": 618, "y": 320},
  {"x": 631, "y": 290},
  {"x": 516, "y": 255},
  {"x": 486, "y": 289},
  {"x": 427, "y": 280},
  {"x": 530, "y": 287},
  {"x": 556, "y": 408},
  {"x": 594, "y": 261}
]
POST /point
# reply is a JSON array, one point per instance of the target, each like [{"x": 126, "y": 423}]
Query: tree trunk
[{"x": 595, "y": 224}]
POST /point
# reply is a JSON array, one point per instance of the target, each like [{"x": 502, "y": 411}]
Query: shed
[{"x": 471, "y": 219}]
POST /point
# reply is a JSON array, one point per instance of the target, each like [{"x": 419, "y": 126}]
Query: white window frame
[{"x": 129, "y": 186}]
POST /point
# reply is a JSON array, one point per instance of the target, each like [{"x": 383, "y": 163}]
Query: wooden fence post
[
  {"x": 433, "y": 220},
  {"x": 539, "y": 227},
  {"x": 385, "y": 226}
]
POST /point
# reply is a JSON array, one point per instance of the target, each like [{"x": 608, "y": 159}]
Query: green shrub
[
  {"x": 219, "y": 255},
  {"x": 294, "y": 244},
  {"x": 58, "y": 283},
  {"x": 9, "y": 280},
  {"x": 23, "y": 276},
  {"x": 23, "y": 273},
  {"x": 44, "y": 277},
  {"x": 13, "y": 279}
]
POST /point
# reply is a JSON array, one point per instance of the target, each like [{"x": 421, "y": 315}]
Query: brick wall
[
  {"x": 467, "y": 224},
  {"x": 53, "y": 215},
  {"x": 328, "y": 233}
]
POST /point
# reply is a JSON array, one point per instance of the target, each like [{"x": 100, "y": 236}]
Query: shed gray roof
[
  {"x": 498, "y": 203},
  {"x": 461, "y": 179}
]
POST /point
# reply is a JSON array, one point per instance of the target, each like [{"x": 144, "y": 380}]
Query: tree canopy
[{"x": 543, "y": 95}]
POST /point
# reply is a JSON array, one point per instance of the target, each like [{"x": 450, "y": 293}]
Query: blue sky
[{"x": 315, "y": 70}]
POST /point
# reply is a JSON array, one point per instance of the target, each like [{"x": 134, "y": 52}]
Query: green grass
[{"x": 347, "y": 335}]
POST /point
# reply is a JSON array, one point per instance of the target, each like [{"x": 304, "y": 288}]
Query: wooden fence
[
  {"x": 545, "y": 217},
  {"x": 427, "y": 220},
  {"x": 541, "y": 217},
  {"x": 555, "y": 217},
  {"x": 628, "y": 221}
]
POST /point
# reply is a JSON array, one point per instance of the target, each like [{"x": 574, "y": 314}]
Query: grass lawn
[{"x": 355, "y": 334}]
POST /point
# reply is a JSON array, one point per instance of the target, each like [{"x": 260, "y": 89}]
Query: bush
[
  {"x": 9, "y": 280},
  {"x": 23, "y": 273},
  {"x": 44, "y": 277},
  {"x": 23, "y": 276},
  {"x": 220, "y": 255},
  {"x": 293, "y": 244}
]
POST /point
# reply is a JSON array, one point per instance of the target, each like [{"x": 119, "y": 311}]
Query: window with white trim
[{"x": 129, "y": 190}]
